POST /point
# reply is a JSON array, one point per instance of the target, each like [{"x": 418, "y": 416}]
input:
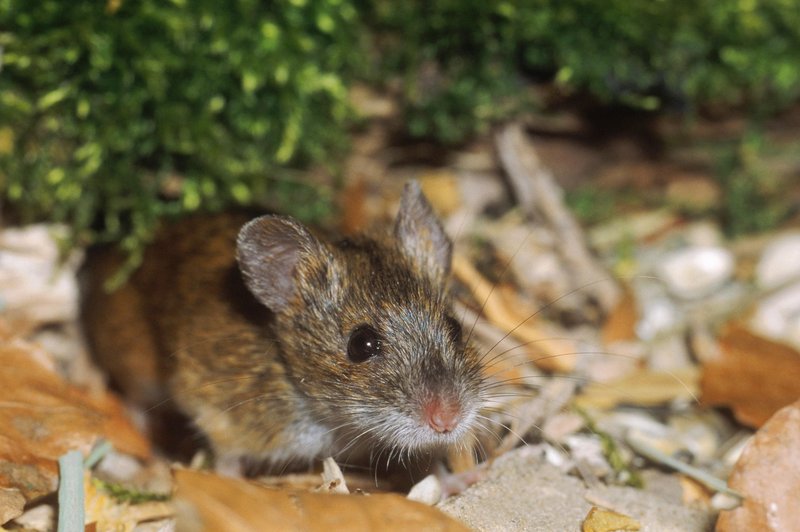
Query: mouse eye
[
  {"x": 453, "y": 329},
  {"x": 364, "y": 343}
]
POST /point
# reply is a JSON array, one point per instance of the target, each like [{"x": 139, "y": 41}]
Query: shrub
[
  {"x": 116, "y": 114},
  {"x": 134, "y": 109},
  {"x": 462, "y": 58}
]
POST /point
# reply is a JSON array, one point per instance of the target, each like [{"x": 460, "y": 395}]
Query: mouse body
[{"x": 284, "y": 347}]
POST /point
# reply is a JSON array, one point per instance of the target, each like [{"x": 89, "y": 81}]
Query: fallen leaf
[
  {"x": 354, "y": 216},
  {"x": 752, "y": 375},
  {"x": 599, "y": 520},
  {"x": 621, "y": 322},
  {"x": 767, "y": 474},
  {"x": 44, "y": 416},
  {"x": 644, "y": 388},
  {"x": 209, "y": 502},
  {"x": 503, "y": 307},
  {"x": 441, "y": 189}
]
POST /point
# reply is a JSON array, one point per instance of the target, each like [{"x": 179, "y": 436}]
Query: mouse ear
[
  {"x": 269, "y": 250},
  {"x": 421, "y": 235}
]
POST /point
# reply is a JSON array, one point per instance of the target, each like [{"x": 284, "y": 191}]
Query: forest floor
[{"x": 636, "y": 276}]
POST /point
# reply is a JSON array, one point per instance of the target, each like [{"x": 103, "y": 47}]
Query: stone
[
  {"x": 697, "y": 271},
  {"x": 768, "y": 476},
  {"x": 523, "y": 492},
  {"x": 780, "y": 261}
]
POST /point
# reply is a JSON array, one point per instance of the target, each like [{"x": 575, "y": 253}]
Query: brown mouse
[{"x": 284, "y": 347}]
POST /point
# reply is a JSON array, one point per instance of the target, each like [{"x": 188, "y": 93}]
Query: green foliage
[
  {"x": 754, "y": 198},
  {"x": 468, "y": 56},
  {"x": 115, "y": 114},
  {"x": 136, "y": 109}
]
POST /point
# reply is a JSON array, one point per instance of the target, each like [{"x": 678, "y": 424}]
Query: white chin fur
[{"x": 404, "y": 432}]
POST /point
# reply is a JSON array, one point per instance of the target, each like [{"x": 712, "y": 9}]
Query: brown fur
[{"x": 277, "y": 384}]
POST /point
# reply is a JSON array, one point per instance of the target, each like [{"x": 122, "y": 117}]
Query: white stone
[
  {"x": 780, "y": 261},
  {"x": 427, "y": 491},
  {"x": 34, "y": 284},
  {"x": 697, "y": 271},
  {"x": 658, "y": 315},
  {"x": 778, "y": 316}
]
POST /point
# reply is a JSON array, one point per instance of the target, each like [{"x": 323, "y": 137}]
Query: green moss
[
  {"x": 462, "y": 60},
  {"x": 123, "y": 494},
  {"x": 125, "y": 112},
  {"x": 754, "y": 197},
  {"x": 115, "y": 114}
]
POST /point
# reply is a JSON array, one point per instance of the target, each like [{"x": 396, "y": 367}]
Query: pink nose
[{"x": 441, "y": 416}]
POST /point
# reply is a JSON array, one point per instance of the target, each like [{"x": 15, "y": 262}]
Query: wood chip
[{"x": 12, "y": 504}]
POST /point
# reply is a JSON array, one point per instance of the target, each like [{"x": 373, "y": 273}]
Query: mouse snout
[{"x": 442, "y": 415}]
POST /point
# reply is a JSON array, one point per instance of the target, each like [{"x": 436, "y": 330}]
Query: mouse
[{"x": 284, "y": 345}]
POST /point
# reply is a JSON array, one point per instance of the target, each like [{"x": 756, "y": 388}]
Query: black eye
[
  {"x": 453, "y": 329},
  {"x": 364, "y": 343}
]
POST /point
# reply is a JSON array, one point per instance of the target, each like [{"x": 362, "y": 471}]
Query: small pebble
[
  {"x": 427, "y": 491},
  {"x": 780, "y": 261},
  {"x": 778, "y": 316},
  {"x": 696, "y": 272},
  {"x": 658, "y": 315}
]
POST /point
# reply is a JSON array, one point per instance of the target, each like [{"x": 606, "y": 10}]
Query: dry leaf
[
  {"x": 211, "y": 502},
  {"x": 621, "y": 322},
  {"x": 768, "y": 475},
  {"x": 354, "y": 212},
  {"x": 504, "y": 309},
  {"x": 644, "y": 388},
  {"x": 43, "y": 417},
  {"x": 752, "y": 375},
  {"x": 441, "y": 189},
  {"x": 599, "y": 520}
]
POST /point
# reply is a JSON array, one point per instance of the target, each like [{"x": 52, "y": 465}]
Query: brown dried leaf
[
  {"x": 354, "y": 212},
  {"x": 211, "y": 502},
  {"x": 645, "y": 388},
  {"x": 43, "y": 417},
  {"x": 441, "y": 189},
  {"x": 621, "y": 322},
  {"x": 599, "y": 520},
  {"x": 768, "y": 475},
  {"x": 753, "y": 376},
  {"x": 506, "y": 310}
]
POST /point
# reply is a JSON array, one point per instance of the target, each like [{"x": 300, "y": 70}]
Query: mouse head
[{"x": 366, "y": 327}]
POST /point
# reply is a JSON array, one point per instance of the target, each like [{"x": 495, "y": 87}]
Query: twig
[{"x": 540, "y": 198}]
